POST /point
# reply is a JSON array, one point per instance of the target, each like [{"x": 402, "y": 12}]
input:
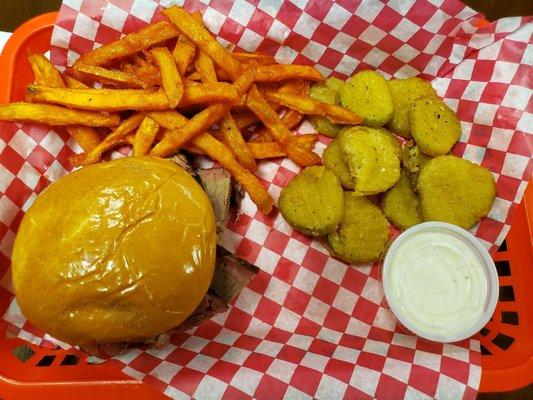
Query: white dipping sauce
[{"x": 437, "y": 282}]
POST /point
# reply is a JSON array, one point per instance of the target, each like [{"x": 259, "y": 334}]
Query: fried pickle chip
[
  {"x": 413, "y": 160},
  {"x": 363, "y": 233},
  {"x": 404, "y": 92},
  {"x": 395, "y": 143},
  {"x": 327, "y": 92},
  {"x": 456, "y": 191},
  {"x": 367, "y": 94},
  {"x": 334, "y": 160},
  {"x": 434, "y": 126},
  {"x": 401, "y": 205},
  {"x": 372, "y": 158},
  {"x": 313, "y": 201}
]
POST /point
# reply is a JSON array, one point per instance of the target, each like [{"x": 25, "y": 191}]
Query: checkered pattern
[{"x": 308, "y": 326}]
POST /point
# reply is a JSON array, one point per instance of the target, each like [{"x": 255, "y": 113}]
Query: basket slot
[
  {"x": 506, "y": 293},
  {"x": 70, "y": 359},
  {"x": 503, "y": 341},
  {"x": 46, "y": 361},
  {"x": 484, "y": 332},
  {"x": 488, "y": 347},
  {"x": 510, "y": 317},
  {"x": 503, "y": 247},
  {"x": 506, "y": 329},
  {"x": 503, "y": 267},
  {"x": 485, "y": 351},
  {"x": 488, "y": 330}
]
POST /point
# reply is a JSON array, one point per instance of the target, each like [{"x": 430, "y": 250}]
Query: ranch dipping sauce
[{"x": 440, "y": 282}]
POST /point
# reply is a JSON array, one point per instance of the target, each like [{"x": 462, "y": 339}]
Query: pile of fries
[{"x": 171, "y": 86}]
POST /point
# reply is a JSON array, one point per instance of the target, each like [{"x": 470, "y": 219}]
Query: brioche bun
[{"x": 114, "y": 252}]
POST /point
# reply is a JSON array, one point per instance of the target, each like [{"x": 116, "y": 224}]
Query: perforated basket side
[
  {"x": 32, "y": 372},
  {"x": 507, "y": 340}
]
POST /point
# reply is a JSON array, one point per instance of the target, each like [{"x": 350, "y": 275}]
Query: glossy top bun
[{"x": 119, "y": 251}]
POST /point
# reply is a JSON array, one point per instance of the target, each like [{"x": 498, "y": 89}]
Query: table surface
[{"x": 13, "y": 13}]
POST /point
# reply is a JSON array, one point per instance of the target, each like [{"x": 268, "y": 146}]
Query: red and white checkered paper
[{"x": 309, "y": 326}]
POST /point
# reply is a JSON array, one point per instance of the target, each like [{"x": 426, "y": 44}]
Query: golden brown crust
[{"x": 119, "y": 251}]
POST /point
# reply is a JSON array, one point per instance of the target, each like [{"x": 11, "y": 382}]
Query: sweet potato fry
[
  {"x": 85, "y": 136},
  {"x": 54, "y": 115},
  {"x": 149, "y": 57},
  {"x": 129, "y": 99},
  {"x": 232, "y": 137},
  {"x": 203, "y": 39},
  {"x": 217, "y": 134},
  {"x": 262, "y": 135},
  {"x": 44, "y": 71},
  {"x": 297, "y": 86},
  {"x": 306, "y": 105},
  {"x": 145, "y": 136},
  {"x": 149, "y": 76},
  {"x": 203, "y": 63},
  {"x": 113, "y": 139},
  {"x": 291, "y": 118},
  {"x": 204, "y": 68},
  {"x": 100, "y": 99},
  {"x": 221, "y": 75},
  {"x": 194, "y": 76},
  {"x": 93, "y": 73},
  {"x": 46, "y": 74},
  {"x": 207, "y": 93},
  {"x": 73, "y": 83},
  {"x": 168, "y": 119},
  {"x": 203, "y": 120},
  {"x": 129, "y": 68},
  {"x": 183, "y": 53},
  {"x": 276, "y": 73},
  {"x": 169, "y": 74},
  {"x": 296, "y": 152},
  {"x": 195, "y": 126},
  {"x": 244, "y": 119},
  {"x": 261, "y": 59},
  {"x": 130, "y": 139},
  {"x": 147, "y": 72},
  {"x": 141, "y": 61},
  {"x": 263, "y": 150},
  {"x": 273, "y": 149},
  {"x": 219, "y": 152},
  {"x": 130, "y": 44}
]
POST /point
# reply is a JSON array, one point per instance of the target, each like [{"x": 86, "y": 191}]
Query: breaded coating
[
  {"x": 364, "y": 232},
  {"x": 434, "y": 126},
  {"x": 404, "y": 92},
  {"x": 313, "y": 201},
  {"x": 367, "y": 94},
  {"x": 455, "y": 190},
  {"x": 401, "y": 204}
]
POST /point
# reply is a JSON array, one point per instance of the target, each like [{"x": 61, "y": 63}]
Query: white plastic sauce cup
[{"x": 429, "y": 266}]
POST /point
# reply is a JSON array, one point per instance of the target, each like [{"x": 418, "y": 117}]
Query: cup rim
[{"x": 491, "y": 275}]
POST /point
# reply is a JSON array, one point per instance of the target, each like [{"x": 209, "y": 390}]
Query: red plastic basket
[{"x": 507, "y": 345}]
